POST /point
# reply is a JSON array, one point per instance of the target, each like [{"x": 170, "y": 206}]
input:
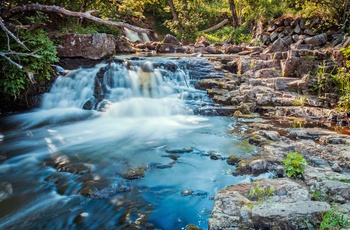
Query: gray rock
[
  {"x": 289, "y": 215},
  {"x": 90, "y": 46},
  {"x": 231, "y": 207},
  {"x": 317, "y": 40},
  {"x": 171, "y": 40},
  {"x": 233, "y": 49},
  {"x": 278, "y": 46},
  {"x": 123, "y": 45}
]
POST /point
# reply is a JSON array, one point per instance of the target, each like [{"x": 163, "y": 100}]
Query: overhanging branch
[
  {"x": 63, "y": 11},
  {"x": 7, "y": 31}
]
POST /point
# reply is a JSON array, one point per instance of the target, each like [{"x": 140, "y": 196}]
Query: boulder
[
  {"x": 278, "y": 46},
  {"x": 287, "y": 204},
  {"x": 170, "y": 45},
  {"x": 202, "y": 41},
  {"x": 123, "y": 45},
  {"x": 317, "y": 40},
  {"x": 299, "y": 215},
  {"x": 233, "y": 49},
  {"x": 171, "y": 40},
  {"x": 212, "y": 50},
  {"x": 90, "y": 46}
]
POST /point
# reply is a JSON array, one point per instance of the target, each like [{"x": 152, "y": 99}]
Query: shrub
[
  {"x": 15, "y": 82},
  {"x": 294, "y": 165}
]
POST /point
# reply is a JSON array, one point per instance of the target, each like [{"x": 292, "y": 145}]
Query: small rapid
[{"x": 117, "y": 146}]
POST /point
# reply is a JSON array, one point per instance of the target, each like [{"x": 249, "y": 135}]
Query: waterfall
[
  {"x": 127, "y": 87},
  {"x": 135, "y": 36}
]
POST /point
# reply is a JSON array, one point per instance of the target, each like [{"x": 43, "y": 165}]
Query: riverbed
[{"x": 117, "y": 146}]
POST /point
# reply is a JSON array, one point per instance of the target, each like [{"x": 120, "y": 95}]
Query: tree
[{"x": 234, "y": 13}]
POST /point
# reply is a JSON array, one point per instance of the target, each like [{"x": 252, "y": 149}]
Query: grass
[{"x": 334, "y": 219}]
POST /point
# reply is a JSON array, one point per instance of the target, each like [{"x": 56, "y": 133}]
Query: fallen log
[
  {"x": 217, "y": 26},
  {"x": 63, "y": 11}
]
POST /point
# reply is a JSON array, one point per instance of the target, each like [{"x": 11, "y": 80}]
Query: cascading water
[
  {"x": 116, "y": 146},
  {"x": 134, "y": 36}
]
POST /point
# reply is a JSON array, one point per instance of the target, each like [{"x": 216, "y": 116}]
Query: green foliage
[
  {"x": 333, "y": 220},
  {"x": 260, "y": 193},
  {"x": 299, "y": 100},
  {"x": 265, "y": 9},
  {"x": 330, "y": 11},
  {"x": 325, "y": 82},
  {"x": 185, "y": 28},
  {"x": 241, "y": 35},
  {"x": 343, "y": 80},
  {"x": 219, "y": 35},
  {"x": 15, "y": 81},
  {"x": 294, "y": 165},
  {"x": 72, "y": 25}
]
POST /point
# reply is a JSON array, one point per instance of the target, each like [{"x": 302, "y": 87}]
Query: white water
[
  {"x": 144, "y": 111},
  {"x": 134, "y": 36}
]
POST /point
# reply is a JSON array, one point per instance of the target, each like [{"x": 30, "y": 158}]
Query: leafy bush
[
  {"x": 15, "y": 82},
  {"x": 219, "y": 35},
  {"x": 294, "y": 165},
  {"x": 241, "y": 35}
]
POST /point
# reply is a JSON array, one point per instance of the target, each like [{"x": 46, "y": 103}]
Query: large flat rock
[
  {"x": 90, "y": 46},
  {"x": 296, "y": 215}
]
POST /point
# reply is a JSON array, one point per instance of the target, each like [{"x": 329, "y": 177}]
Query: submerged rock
[
  {"x": 134, "y": 174},
  {"x": 180, "y": 150}
]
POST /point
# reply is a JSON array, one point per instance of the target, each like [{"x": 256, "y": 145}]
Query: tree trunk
[
  {"x": 174, "y": 13},
  {"x": 234, "y": 13},
  {"x": 345, "y": 10},
  {"x": 217, "y": 26},
  {"x": 61, "y": 10}
]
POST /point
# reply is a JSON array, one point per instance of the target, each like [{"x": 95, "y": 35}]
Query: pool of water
[{"x": 64, "y": 167}]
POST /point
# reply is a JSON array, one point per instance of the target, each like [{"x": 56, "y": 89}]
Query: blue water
[{"x": 135, "y": 130}]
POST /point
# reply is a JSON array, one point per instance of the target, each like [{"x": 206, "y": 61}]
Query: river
[{"x": 138, "y": 156}]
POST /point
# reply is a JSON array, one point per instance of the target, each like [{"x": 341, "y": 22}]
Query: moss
[{"x": 232, "y": 160}]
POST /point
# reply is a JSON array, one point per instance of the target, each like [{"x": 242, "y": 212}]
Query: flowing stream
[{"x": 117, "y": 146}]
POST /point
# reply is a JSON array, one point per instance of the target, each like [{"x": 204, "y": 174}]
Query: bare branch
[
  {"x": 3, "y": 27},
  {"x": 217, "y": 26},
  {"x": 32, "y": 54},
  {"x": 63, "y": 11},
  {"x": 12, "y": 62},
  {"x": 30, "y": 75}
]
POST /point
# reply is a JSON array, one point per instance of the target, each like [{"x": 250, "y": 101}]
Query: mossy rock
[
  {"x": 134, "y": 174},
  {"x": 232, "y": 160}
]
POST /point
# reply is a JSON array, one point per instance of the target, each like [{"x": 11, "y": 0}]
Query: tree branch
[
  {"x": 29, "y": 74},
  {"x": 63, "y": 11},
  {"x": 217, "y": 26},
  {"x": 32, "y": 54},
  {"x": 9, "y": 59},
  {"x": 3, "y": 27}
]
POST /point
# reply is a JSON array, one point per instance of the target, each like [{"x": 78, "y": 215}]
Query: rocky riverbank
[{"x": 283, "y": 84}]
